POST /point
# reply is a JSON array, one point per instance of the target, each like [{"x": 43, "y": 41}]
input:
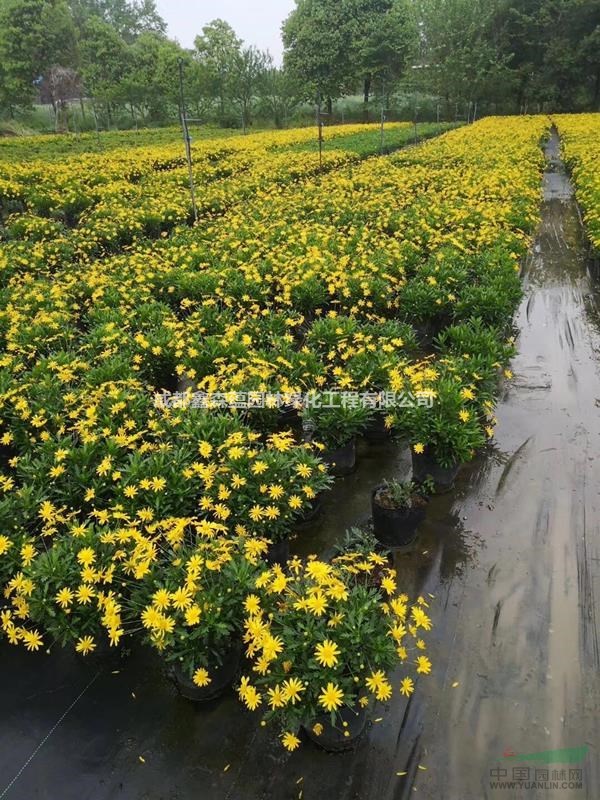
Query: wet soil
[{"x": 511, "y": 557}]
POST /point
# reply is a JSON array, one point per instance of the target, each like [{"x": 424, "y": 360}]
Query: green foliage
[
  {"x": 333, "y": 45},
  {"x": 516, "y": 53},
  {"x": 218, "y": 48},
  {"x": 402, "y": 494},
  {"x": 431, "y": 58},
  {"x": 280, "y": 95},
  {"x": 35, "y": 35},
  {"x": 334, "y": 421},
  {"x": 357, "y": 540},
  {"x": 451, "y": 428},
  {"x": 214, "y": 593},
  {"x": 129, "y": 19},
  {"x": 103, "y": 54},
  {"x": 318, "y": 47},
  {"x": 58, "y": 567}
]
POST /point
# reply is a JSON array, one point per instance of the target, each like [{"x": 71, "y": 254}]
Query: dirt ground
[{"x": 512, "y": 559}]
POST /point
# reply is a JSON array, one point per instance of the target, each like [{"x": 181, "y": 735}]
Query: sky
[{"x": 257, "y": 22}]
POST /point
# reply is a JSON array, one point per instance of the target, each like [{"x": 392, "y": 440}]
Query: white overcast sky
[{"x": 257, "y": 22}]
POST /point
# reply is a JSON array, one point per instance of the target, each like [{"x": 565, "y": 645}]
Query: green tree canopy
[
  {"x": 35, "y": 35},
  {"x": 218, "y": 49}
]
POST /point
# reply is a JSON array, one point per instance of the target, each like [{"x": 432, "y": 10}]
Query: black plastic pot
[
  {"x": 376, "y": 432},
  {"x": 341, "y": 461},
  {"x": 425, "y": 466},
  {"x": 222, "y": 677},
  {"x": 278, "y": 552},
  {"x": 429, "y": 329},
  {"x": 312, "y": 511},
  {"x": 395, "y": 527},
  {"x": 7, "y": 452},
  {"x": 289, "y": 417},
  {"x": 350, "y": 724}
]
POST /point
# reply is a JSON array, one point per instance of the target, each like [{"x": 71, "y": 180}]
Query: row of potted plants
[
  {"x": 316, "y": 640},
  {"x": 125, "y": 516},
  {"x": 579, "y": 139},
  {"x": 103, "y": 354},
  {"x": 91, "y": 205}
]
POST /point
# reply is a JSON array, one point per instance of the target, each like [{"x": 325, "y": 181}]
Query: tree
[
  {"x": 461, "y": 58},
  {"x": 166, "y": 77},
  {"x": 218, "y": 49},
  {"x": 552, "y": 50},
  {"x": 332, "y": 45},
  {"x": 105, "y": 59},
  {"x": 150, "y": 84},
  {"x": 63, "y": 84},
  {"x": 588, "y": 31},
  {"x": 35, "y": 35},
  {"x": 279, "y": 94},
  {"x": 318, "y": 48},
  {"x": 129, "y": 18},
  {"x": 521, "y": 39},
  {"x": 247, "y": 69},
  {"x": 570, "y": 64},
  {"x": 384, "y": 36},
  {"x": 198, "y": 86}
]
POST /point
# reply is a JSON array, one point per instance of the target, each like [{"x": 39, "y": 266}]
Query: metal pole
[
  {"x": 382, "y": 115},
  {"x": 187, "y": 140},
  {"x": 320, "y": 130},
  {"x": 416, "y": 112},
  {"x": 96, "y": 125}
]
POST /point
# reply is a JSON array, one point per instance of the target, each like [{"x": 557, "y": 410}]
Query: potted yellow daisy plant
[
  {"x": 321, "y": 643},
  {"x": 190, "y": 606}
]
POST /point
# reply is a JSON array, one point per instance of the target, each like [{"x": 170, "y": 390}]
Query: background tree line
[{"x": 113, "y": 61}]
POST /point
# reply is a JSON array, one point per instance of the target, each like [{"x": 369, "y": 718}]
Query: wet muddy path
[
  {"x": 512, "y": 558},
  {"x": 520, "y": 627}
]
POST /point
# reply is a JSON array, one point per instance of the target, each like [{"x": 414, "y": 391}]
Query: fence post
[
  {"x": 382, "y": 115},
  {"x": 320, "y": 130},
  {"x": 187, "y": 140}
]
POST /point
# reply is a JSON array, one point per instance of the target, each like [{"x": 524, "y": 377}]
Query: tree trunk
[
  {"x": 62, "y": 120},
  {"x": 329, "y": 106},
  {"x": 366, "y": 94},
  {"x": 222, "y": 98}
]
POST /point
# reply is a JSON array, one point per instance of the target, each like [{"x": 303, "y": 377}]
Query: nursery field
[
  {"x": 80, "y": 208},
  {"x": 579, "y": 134},
  {"x": 197, "y": 420}
]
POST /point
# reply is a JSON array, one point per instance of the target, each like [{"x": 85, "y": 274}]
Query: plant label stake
[
  {"x": 416, "y": 116},
  {"x": 320, "y": 115},
  {"x": 187, "y": 140},
  {"x": 382, "y": 116},
  {"x": 320, "y": 131}
]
